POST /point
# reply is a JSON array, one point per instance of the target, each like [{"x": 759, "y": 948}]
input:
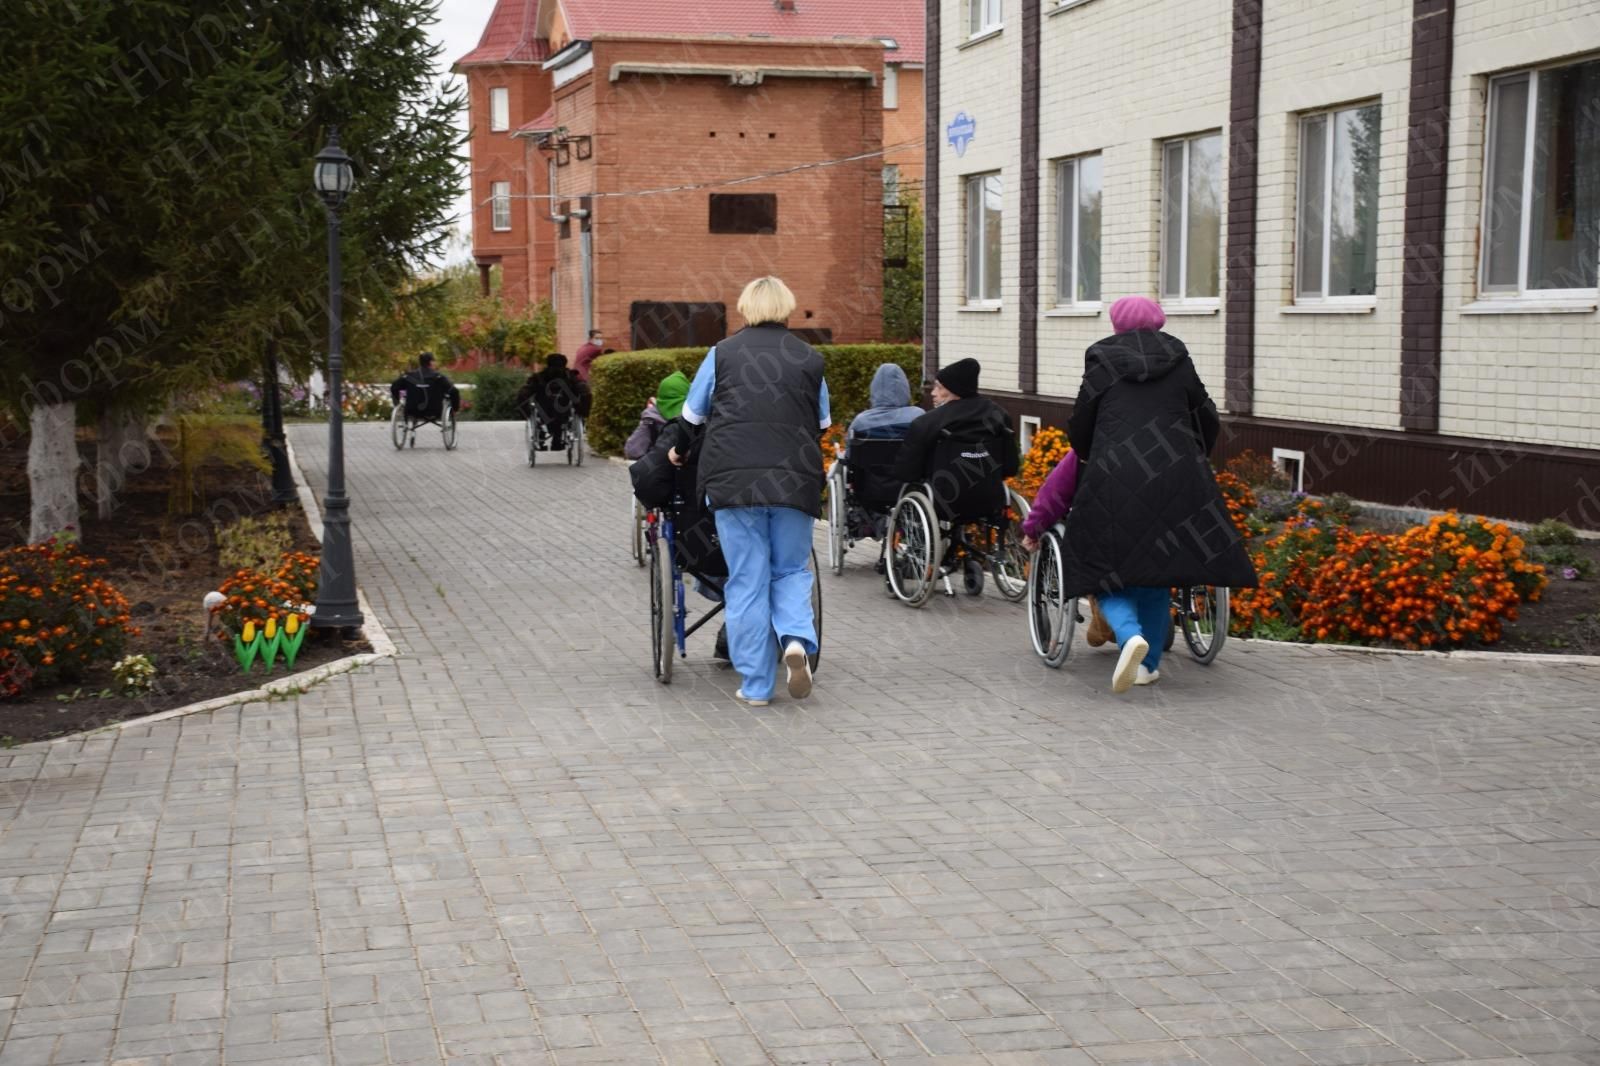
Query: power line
[{"x": 886, "y": 150}]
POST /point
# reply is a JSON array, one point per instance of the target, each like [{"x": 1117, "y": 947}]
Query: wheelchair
[
  {"x": 538, "y": 433},
  {"x": 639, "y": 519},
  {"x": 422, "y": 405},
  {"x": 862, "y": 491},
  {"x": 963, "y": 520},
  {"x": 1200, "y": 611},
  {"x": 681, "y": 543}
]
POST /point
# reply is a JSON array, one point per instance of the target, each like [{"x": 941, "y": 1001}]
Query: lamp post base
[{"x": 337, "y": 607}]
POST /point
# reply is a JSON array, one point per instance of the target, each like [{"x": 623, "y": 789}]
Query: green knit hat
[{"x": 671, "y": 393}]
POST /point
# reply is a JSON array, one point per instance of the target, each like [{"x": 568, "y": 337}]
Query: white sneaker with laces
[
  {"x": 799, "y": 665},
  {"x": 1128, "y": 664},
  {"x": 751, "y": 702},
  {"x": 1147, "y": 676}
]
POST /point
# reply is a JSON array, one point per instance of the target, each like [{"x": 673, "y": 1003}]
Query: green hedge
[
  {"x": 494, "y": 394},
  {"x": 623, "y": 381}
]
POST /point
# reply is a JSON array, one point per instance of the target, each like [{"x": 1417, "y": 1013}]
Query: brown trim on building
[
  {"x": 1028, "y": 204},
  {"x": 1244, "y": 115},
  {"x": 1523, "y": 482},
  {"x": 930, "y": 195},
  {"x": 1427, "y": 144}
]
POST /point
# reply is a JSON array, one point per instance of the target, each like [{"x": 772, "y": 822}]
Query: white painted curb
[
  {"x": 1473, "y": 654},
  {"x": 382, "y": 647}
]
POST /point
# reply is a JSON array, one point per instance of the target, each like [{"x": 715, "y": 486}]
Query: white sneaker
[
  {"x": 751, "y": 702},
  {"x": 799, "y": 664},
  {"x": 1147, "y": 676},
  {"x": 1128, "y": 664}
]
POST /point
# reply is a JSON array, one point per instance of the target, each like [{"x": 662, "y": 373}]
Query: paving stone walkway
[{"x": 510, "y": 845}]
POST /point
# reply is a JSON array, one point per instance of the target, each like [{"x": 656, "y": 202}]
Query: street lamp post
[{"x": 336, "y": 587}]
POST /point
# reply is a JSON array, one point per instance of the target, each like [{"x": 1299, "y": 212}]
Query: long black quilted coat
[{"x": 1148, "y": 512}]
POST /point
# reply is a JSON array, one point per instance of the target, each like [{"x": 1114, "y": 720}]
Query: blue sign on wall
[{"x": 960, "y": 132}]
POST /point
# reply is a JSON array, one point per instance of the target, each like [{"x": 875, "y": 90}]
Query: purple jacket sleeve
[{"x": 1055, "y": 496}]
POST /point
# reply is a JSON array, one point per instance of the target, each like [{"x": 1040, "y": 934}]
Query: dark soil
[
  {"x": 1566, "y": 620},
  {"x": 164, "y": 564}
]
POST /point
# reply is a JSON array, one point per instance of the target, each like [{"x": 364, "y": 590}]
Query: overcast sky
[{"x": 460, "y": 24}]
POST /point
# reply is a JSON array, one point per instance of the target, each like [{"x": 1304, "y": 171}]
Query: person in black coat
[
  {"x": 559, "y": 394},
  {"x": 430, "y": 384},
  {"x": 1148, "y": 515},
  {"x": 963, "y": 449}
]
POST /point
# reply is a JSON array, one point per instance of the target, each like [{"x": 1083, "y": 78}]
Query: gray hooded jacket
[{"x": 891, "y": 412}]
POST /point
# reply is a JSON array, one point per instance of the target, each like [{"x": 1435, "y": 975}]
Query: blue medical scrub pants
[
  {"x": 768, "y": 592},
  {"x": 1133, "y": 612}
]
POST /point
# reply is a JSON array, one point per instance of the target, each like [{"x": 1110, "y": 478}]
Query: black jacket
[
  {"x": 557, "y": 391},
  {"x": 763, "y": 437},
  {"x": 1148, "y": 513},
  {"x": 658, "y": 483},
  {"x": 972, "y": 418},
  {"x": 435, "y": 388}
]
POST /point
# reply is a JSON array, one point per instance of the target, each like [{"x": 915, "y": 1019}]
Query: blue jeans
[
  {"x": 1134, "y": 612},
  {"x": 768, "y": 592}
]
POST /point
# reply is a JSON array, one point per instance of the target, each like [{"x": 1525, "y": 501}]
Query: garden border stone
[{"x": 372, "y": 629}]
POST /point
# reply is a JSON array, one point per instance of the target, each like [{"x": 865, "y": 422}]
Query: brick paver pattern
[{"x": 511, "y": 845}]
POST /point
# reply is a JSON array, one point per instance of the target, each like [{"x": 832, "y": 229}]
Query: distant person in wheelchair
[
  {"x": 1147, "y": 515},
  {"x": 964, "y": 449},
  {"x": 559, "y": 395},
  {"x": 426, "y": 389}
]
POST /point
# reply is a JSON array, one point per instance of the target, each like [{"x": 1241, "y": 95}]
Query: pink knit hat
[{"x": 1136, "y": 312}]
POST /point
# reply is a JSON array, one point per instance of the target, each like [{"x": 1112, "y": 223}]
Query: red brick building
[{"x": 636, "y": 163}]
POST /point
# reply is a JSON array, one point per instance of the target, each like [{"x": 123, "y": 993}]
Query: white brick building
[{"x": 1303, "y": 185}]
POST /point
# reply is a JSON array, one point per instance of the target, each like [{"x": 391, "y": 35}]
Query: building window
[
  {"x": 891, "y": 88},
  {"x": 499, "y": 109},
  {"x": 1078, "y": 230},
  {"x": 891, "y": 183},
  {"x": 982, "y": 16},
  {"x": 1541, "y": 219},
  {"x": 744, "y": 212},
  {"x": 983, "y": 239},
  {"x": 500, "y": 205},
  {"x": 1191, "y": 218},
  {"x": 1337, "y": 231}
]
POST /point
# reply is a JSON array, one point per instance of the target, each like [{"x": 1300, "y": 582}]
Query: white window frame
[
  {"x": 973, "y": 233},
  {"x": 1282, "y": 458},
  {"x": 1584, "y": 298},
  {"x": 1184, "y": 301},
  {"x": 499, "y": 109},
  {"x": 891, "y": 87},
  {"x": 1029, "y": 425},
  {"x": 1070, "y": 203},
  {"x": 984, "y": 17},
  {"x": 1328, "y": 115},
  {"x": 500, "y": 200}
]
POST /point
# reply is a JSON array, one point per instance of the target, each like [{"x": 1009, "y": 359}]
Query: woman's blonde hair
[{"x": 766, "y": 299}]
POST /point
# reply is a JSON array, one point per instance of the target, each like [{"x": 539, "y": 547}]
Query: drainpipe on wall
[{"x": 584, "y": 215}]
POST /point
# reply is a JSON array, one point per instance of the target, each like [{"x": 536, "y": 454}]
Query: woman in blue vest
[{"x": 761, "y": 401}]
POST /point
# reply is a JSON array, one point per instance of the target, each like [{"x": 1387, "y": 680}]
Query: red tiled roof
[
  {"x": 512, "y": 36},
  {"x": 901, "y": 20},
  {"x": 542, "y": 124}
]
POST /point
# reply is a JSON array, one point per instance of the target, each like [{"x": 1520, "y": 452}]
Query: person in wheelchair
[
  {"x": 963, "y": 449},
  {"x": 873, "y": 487},
  {"x": 660, "y": 483},
  {"x": 426, "y": 389},
  {"x": 559, "y": 394}
]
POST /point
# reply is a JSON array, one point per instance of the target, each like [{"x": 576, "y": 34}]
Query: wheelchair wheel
[
  {"x": 816, "y": 609},
  {"x": 531, "y": 435},
  {"x": 1051, "y": 617},
  {"x": 397, "y": 426},
  {"x": 838, "y": 542},
  {"x": 575, "y": 442},
  {"x": 661, "y": 610},
  {"x": 638, "y": 533},
  {"x": 447, "y": 422},
  {"x": 1009, "y": 561},
  {"x": 1203, "y": 615},
  {"x": 913, "y": 549}
]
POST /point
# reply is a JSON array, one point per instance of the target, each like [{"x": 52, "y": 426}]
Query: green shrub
[
  {"x": 254, "y": 543},
  {"x": 494, "y": 397},
  {"x": 1560, "y": 559},
  {"x": 623, "y": 381},
  {"x": 1551, "y": 532}
]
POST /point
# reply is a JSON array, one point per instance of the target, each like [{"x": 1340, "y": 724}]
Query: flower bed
[
  {"x": 254, "y": 597},
  {"x": 58, "y": 615}
]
